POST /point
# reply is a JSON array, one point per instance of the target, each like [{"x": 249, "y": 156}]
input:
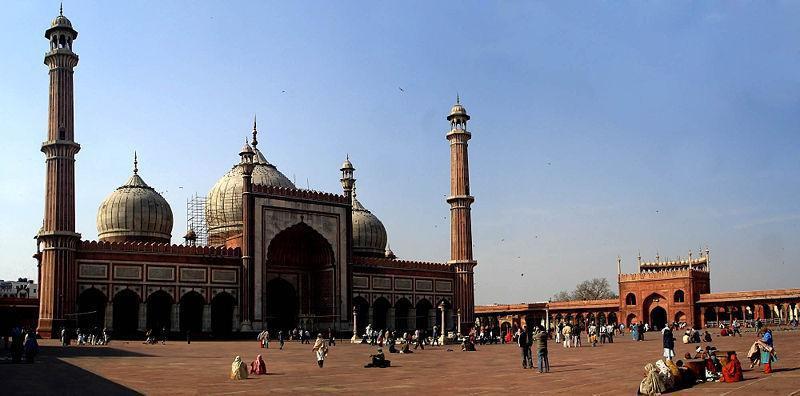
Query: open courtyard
[{"x": 128, "y": 367}]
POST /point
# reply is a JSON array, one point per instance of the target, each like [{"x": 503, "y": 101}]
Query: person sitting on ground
[
  {"x": 687, "y": 376},
  {"x": 391, "y": 343},
  {"x": 406, "y": 348},
  {"x": 686, "y": 337},
  {"x": 732, "y": 372},
  {"x": 467, "y": 345},
  {"x": 258, "y": 367},
  {"x": 707, "y": 336},
  {"x": 652, "y": 384},
  {"x": 238, "y": 369},
  {"x": 378, "y": 360}
]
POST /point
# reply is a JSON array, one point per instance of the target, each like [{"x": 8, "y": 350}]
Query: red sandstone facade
[
  {"x": 294, "y": 261},
  {"x": 661, "y": 292}
]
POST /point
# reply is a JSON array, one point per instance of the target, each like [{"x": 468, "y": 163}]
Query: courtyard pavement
[{"x": 202, "y": 368}]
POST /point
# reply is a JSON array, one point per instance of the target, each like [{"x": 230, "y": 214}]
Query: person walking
[
  {"x": 320, "y": 349},
  {"x": 524, "y": 342},
  {"x": 281, "y": 340},
  {"x": 540, "y": 341},
  {"x": 566, "y": 331}
]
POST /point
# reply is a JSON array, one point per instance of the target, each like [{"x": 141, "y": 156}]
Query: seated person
[
  {"x": 686, "y": 337},
  {"x": 391, "y": 343},
  {"x": 707, "y": 336},
  {"x": 687, "y": 376},
  {"x": 379, "y": 360},
  {"x": 723, "y": 332},
  {"x": 467, "y": 345},
  {"x": 732, "y": 372},
  {"x": 406, "y": 348},
  {"x": 258, "y": 367}
]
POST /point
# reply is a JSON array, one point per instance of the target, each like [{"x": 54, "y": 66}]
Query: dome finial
[
  {"x": 61, "y": 9},
  {"x": 255, "y": 132},
  {"x": 135, "y": 163},
  {"x": 458, "y": 98}
]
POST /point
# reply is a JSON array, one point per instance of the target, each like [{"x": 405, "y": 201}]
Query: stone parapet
[
  {"x": 296, "y": 193},
  {"x": 154, "y": 247}
]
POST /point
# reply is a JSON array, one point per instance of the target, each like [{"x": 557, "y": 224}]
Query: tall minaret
[
  {"x": 58, "y": 239},
  {"x": 460, "y": 220}
]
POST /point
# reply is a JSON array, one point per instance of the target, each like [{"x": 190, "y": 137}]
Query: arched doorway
[
  {"x": 222, "y": 306},
  {"x": 191, "y": 309},
  {"x": 631, "y": 320},
  {"x": 159, "y": 311},
  {"x": 423, "y": 314},
  {"x": 126, "y": 314},
  {"x": 91, "y": 309},
  {"x": 612, "y": 318},
  {"x": 680, "y": 317},
  {"x": 300, "y": 252},
  {"x": 401, "y": 319},
  {"x": 282, "y": 307},
  {"x": 380, "y": 311},
  {"x": 658, "y": 318},
  {"x": 362, "y": 314}
]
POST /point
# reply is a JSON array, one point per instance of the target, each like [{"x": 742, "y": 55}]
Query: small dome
[
  {"x": 224, "y": 205},
  {"x": 369, "y": 234},
  {"x": 134, "y": 212},
  {"x": 458, "y": 110},
  {"x": 347, "y": 164},
  {"x": 61, "y": 21},
  {"x": 190, "y": 235}
]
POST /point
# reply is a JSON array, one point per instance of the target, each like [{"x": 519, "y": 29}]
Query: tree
[{"x": 593, "y": 289}]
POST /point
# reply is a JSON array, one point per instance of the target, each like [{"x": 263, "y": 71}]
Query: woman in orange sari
[
  {"x": 732, "y": 371},
  {"x": 258, "y": 367}
]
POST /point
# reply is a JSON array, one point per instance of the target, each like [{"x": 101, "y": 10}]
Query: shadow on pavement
[{"x": 50, "y": 375}]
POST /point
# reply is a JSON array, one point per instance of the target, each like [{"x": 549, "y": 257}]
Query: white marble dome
[
  {"x": 224, "y": 205},
  {"x": 134, "y": 212}
]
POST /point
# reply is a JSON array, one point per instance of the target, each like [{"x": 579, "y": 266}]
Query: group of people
[
  {"x": 239, "y": 369},
  {"x": 23, "y": 345},
  {"x": 538, "y": 339},
  {"x": 150, "y": 336},
  {"x": 85, "y": 337}
]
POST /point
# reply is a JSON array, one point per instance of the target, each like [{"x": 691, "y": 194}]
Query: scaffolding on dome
[{"x": 196, "y": 220}]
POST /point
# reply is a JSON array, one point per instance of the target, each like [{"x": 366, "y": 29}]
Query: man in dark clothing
[
  {"x": 540, "y": 342},
  {"x": 524, "y": 342}
]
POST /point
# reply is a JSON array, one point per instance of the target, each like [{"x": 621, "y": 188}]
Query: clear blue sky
[{"x": 599, "y": 128}]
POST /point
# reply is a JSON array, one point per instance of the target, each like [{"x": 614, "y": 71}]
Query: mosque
[{"x": 276, "y": 256}]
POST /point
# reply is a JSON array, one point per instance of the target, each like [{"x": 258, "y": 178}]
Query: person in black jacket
[
  {"x": 668, "y": 342},
  {"x": 524, "y": 342}
]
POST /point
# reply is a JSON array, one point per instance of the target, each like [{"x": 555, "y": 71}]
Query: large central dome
[{"x": 224, "y": 205}]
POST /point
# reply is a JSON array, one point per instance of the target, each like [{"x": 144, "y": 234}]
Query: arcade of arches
[
  {"x": 127, "y": 315},
  {"x": 402, "y": 315}
]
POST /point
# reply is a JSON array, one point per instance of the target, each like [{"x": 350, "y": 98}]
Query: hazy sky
[{"x": 599, "y": 128}]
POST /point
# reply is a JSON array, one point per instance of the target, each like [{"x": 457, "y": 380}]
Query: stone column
[
  {"x": 142, "y": 316},
  {"x": 702, "y": 317},
  {"x": 354, "y": 339},
  {"x": 743, "y": 309},
  {"x": 458, "y": 322},
  {"x": 443, "y": 337},
  {"x": 547, "y": 319},
  {"x": 411, "y": 321},
  {"x": 109, "y": 319},
  {"x": 175, "y": 324},
  {"x": 371, "y": 316},
  {"x": 207, "y": 318},
  {"x": 432, "y": 318},
  {"x": 785, "y": 313}
]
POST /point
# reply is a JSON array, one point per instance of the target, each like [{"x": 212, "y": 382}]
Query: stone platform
[{"x": 202, "y": 368}]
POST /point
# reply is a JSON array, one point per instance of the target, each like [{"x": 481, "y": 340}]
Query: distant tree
[
  {"x": 593, "y": 289},
  {"x": 562, "y": 296}
]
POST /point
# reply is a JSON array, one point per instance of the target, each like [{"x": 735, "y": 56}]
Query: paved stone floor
[{"x": 202, "y": 368}]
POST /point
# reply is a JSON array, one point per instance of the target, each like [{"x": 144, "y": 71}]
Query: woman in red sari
[
  {"x": 732, "y": 371},
  {"x": 258, "y": 367}
]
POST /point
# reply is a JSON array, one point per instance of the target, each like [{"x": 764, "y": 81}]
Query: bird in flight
[{"x": 401, "y": 89}]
